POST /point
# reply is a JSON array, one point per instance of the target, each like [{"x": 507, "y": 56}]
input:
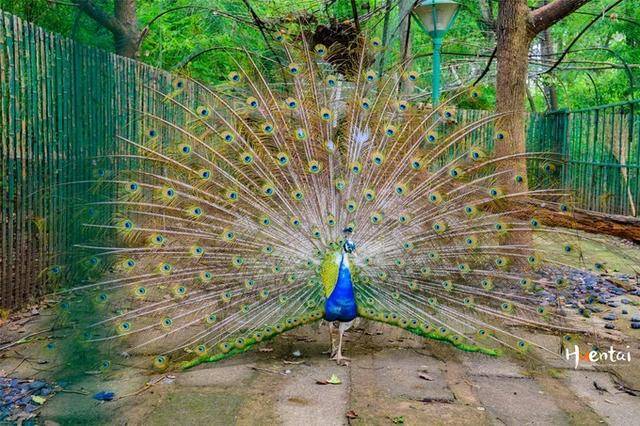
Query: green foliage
[{"x": 594, "y": 73}]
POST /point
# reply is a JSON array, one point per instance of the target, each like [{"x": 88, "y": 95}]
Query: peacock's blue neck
[{"x": 341, "y": 303}]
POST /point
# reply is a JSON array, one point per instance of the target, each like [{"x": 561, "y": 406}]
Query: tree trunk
[
  {"x": 513, "y": 40},
  {"x": 127, "y": 38},
  {"x": 123, "y": 24}
]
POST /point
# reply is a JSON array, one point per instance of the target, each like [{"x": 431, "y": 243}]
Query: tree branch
[
  {"x": 487, "y": 14},
  {"x": 547, "y": 15},
  {"x": 100, "y": 16}
]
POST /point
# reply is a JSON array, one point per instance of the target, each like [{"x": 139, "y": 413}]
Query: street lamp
[{"x": 436, "y": 17}]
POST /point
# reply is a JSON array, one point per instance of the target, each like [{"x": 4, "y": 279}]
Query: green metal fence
[
  {"x": 599, "y": 147},
  {"x": 61, "y": 106}
]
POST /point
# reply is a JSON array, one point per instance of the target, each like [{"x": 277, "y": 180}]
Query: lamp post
[{"x": 436, "y": 17}]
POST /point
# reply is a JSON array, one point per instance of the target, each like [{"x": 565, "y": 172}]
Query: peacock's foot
[
  {"x": 331, "y": 352},
  {"x": 341, "y": 360}
]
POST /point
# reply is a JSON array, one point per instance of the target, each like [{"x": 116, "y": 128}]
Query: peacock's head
[{"x": 349, "y": 246}]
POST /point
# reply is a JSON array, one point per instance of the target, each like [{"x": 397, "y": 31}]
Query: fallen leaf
[
  {"x": 351, "y": 414},
  {"x": 426, "y": 377},
  {"x": 38, "y": 399},
  {"x": 334, "y": 380}
]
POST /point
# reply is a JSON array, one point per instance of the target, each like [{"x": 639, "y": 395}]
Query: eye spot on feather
[
  {"x": 376, "y": 218},
  {"x": 549, "y": 167},
  {"x": 455, "y": 172},
  {"x": 152, "y": 133},
  {"x": 314, "y": 166},
  {"x": 268, "y": 189},
  {"x": 400, "y": 189},
  {"x": 351, "y": 206},
  {"x": 205, "y": 276},
  {"x": 326, "y": 114},
  {"x": 167, "y": 322},
  {"x": 227, "y": 137},
  {"x": 404, "y": 218},
  {"x": 402, "y": 106},
  {"x": 487, "y": 284},
  {"x": 390, "y": 130},
  {"x": 205, "y": 174},
  {"x": 202, "y": 111},
  {"x": 447, "y": 285},
  {"x": 356, "y": 167},
  {"x": 331, "y": 80},
  {"x": 416, "y": 164},
  {"x": 320, "y": 49},
  {"x": 370, "y": 76},
  {"x": 297, "y": 195},
  {"x": 124, "y": 327},
  {"x": 294, "y": 69},
  {"x": 376, "y": 42},
  {"x": 501, "y": 261},
  {"x": 435, "y": 198},
  {"x": 369, "y": 194},
  {"x": 211, "y": 319},
  {"x": 301, "y": 134},
  {"x": 234, "y": 77},
  {"x": 315, "y": 233},
  {"x": 282, "y": 158},
  {"x": 252, "y": 102},
  {"x": 377, "y": 158},
  {"x": 340, "y": 184},
  {"x": 231, "y": 195},
  {"x": 268, "y": 128},
  {"x": 160, "y": 362},
  {"x": 365, "y": 104},
  {"x": 246, "y": 158},
  {"x": 518, "y": 179},
  {"x": 165, "y": 268},
  {"x": 477, "y": 153},
  {"x": 264, "y": 220},
  {"x": 495, "y": 192},
  {"x": 291, "y": 103},
  {"x": 133, "y": 187},
  {"x": 178, "y": 83},
  {"x": 295, "y": 222}
]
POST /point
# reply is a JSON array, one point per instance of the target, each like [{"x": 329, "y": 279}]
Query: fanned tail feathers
[{"x": 240, "y": 191}]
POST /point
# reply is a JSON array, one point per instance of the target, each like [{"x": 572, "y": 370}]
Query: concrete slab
[
  {"x": 617, "y": 408},
  {"x": 513, "y": 401},
  {"x": 301, "y": 401}
]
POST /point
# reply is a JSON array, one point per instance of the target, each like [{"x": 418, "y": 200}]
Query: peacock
[{"x": 313, "y": 188}]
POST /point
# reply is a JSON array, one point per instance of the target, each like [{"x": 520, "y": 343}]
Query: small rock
[
  {"x": 624, "y": 312},
  {"x": 635, "y": 318},
  {"x": 610, "y": 317},
  {"x": 635, "y": 325},
  {"x": 609, "y": 326}
]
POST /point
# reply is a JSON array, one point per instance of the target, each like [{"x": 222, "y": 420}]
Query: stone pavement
[{"x": 393, "y": 378}]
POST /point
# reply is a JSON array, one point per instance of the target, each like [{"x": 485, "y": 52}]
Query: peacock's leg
[
  {"x": 331, "y": 351},
  {"x": 344, "y": 326}
]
